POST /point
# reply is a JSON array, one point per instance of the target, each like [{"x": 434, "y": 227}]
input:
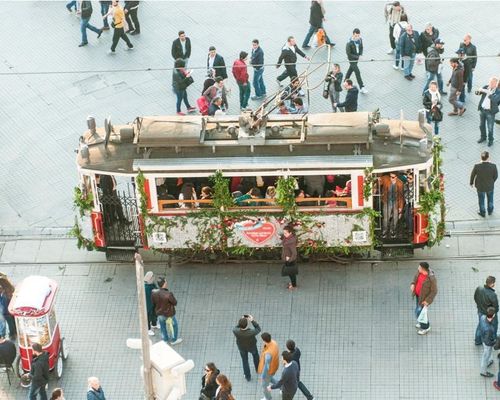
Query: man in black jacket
[
  {"x": 39, "y": 372},
  {"x": 130, "y": 9},
  {"x": 350, "y": 103},
  {"x": 295, "y": 353},
  {"x": 433, "y": 65},
  {"x": 456, "y": 84},
  {"x": 181, "y": 47},
  {"x": 245, "y": 333},
  {"x": 257, "y": 61},
  {"x": 470, "y": 60},
  {"x": 7, "y": 350},
  {"x": 85, "y": 14},
  {"x": 483, "y": 177},
  {"x": 289, "y": 56},
  {"x": 316, "y": 18},
  {"x": 354, "y": 50},
  {"x": 216, "y": 65},
  {"x": 289, "y": 380},
  {"x": 485, "y": 296}
]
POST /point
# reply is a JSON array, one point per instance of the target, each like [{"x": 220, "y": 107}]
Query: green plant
[
  {"x": 81, "y": 241},
  {"x": 285, "y": 194},
  {"x": 143, "y": 199},
  {"x": 83, "y": 201},
  {"x": 222, "y": 198},
  {"x": 368, "y": 183}
]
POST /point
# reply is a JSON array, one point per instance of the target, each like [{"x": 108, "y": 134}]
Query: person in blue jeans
[
  {"x": 316, "y": 18},
  {"x": 245, "y": 333},
  {"x": 85, "y": 14},
  {"x": 488, "y": 340},
  {"x": 70, "y": 5},
  {"x": 409, "y": 43},
  {"x": 104, "y": 10},
  {"x": 488, "y": 108},
  {"x": 164, "y": 303},
  {"x": 484, "y": 297},
  {"x": 257, "y": 61},
  {"x": 483, "y": 177}
]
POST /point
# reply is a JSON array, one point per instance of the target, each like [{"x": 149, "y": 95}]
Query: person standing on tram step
[
  {"x": 39, "y": 372},
  {"x": 149, "y": 286},
  {"x": 295, "y": 353},
  {"x": 289, "y": 256},
  {"x": 85, "y": 14},
  {"x": 130, "y": 9},
  {"x": 164, "y": 302},
  {"x": 392, "y": 203},
  {"x": 118, "y": 25},
  {"x": 95, "y": 391},
  {"x": 245, "y": 333},
  {"x": 484, "y": 297},
  {"x": 424, "y": 288},
  {"x": 483, "y": 177}
]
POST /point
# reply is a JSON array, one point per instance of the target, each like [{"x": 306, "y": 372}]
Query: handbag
[
  {"x": 326, "y": 91},
  {"x": 289, "y": 268},
  {"x": 437, "y": 114},
  {"x": 203, "y": 396},
  {"x": 423, "y": 318}
]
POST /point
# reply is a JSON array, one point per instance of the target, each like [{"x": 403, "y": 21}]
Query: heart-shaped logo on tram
[{"x": 261, "y": 234}]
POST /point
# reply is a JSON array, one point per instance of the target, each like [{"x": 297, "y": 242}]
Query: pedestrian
[
  {"x": 484, "y": 297},
  {"x": 428, "y": 37},
  {"x": 334, "y": 80},
  {"x": 289, "y": 57},
  {"x": 470, "y": 60},
  {"x": 215, "y": 64},
  {"x": 105, "y": 5},
  {"x": 295, "y": 353},
  {"x": 354, "y": 50},
  {"x": 289, "y": 254},
  {"x": 208, "y": 382},
  {"x": 456, "y": 84},
  {"x": 8, "y": 351},
  {"x": 149, "y": 286},
  {"x": 181, "y": 80},
  {"x": 223, "y": 392},
  {"x": 432, "y": 104},
  {"x": 399, "y": 29},
  {"x": 257, "y": 61},
  {"x": 181, "y": 47},
  {"x": 424, "y": 288},
  {"x": 393, "y": 12},
  {"x": 94, "y": 391},
  {"x": 289, "y": 380},
  {"x": 268, "y": 363},
  {"x": 350, "y": 103},
  {"x": 409, "y": 198},
  {"x": 57, "y": 394},
  {"x": 483, "y": 177},
  {"x": 488, "y": 107},
  {"x": 39, "y": 372},
  {"x": 6, "y": 293},
  {"x": 409, "y": 43},
  {"x": 488, "y": 340},
  {"x": 434, "y": 66},
  {"x": 118, "y": 25},
  {"x": 85, "y": 14},
  {"x": 71, "y": 4},
  {"x": 164, "y": 302},
  {"x": 245, "y": 333},
  {"x": 130, "y": 8},
  {"x": 316, "y": 19},
  {"x": 240, "y": 73}
]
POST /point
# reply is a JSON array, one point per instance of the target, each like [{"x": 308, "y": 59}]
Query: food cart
[{"x": 32, "y": 305}]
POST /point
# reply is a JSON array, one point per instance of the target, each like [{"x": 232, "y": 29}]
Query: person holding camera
[
  {"x": 488, "y": 107},
  {"x": 334, "y": 80},
  {"x": 245, "y": 333}
]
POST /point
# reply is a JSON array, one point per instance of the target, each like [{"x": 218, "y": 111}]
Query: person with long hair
[
  {"x": 188, "y": 192},
  {"x": 289, "y": 256},
  {"x": 6, "y": 293},
  {"x": 57, "y": 394},
  {"x": 208, "y": 382},
  {"x": 181, "y": 79},
  {"x": 223, "y": 392}
]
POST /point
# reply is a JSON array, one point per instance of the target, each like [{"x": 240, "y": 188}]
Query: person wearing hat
[
  {"x": 434, "y": 65},
  {"x": 245, "y": 333},
  {"x": 216, "y": 65},
  {"x": 149, "y": 286},
  {"x": 456, "y": 84}
]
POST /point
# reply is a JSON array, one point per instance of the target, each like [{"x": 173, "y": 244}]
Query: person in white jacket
[{"x": 399, "y": 29}]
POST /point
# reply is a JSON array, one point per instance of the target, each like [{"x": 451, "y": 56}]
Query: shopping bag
[
  {"x": 423, "y": 317},
  {"x": 170, "y": 327}
]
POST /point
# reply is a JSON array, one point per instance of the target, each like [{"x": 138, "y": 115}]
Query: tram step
[{"x": 124, "y": 255}]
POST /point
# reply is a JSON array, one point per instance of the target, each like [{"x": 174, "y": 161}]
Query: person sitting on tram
[
  {"x": 298, "y": 106},
  {"x": 343, "y": 192},
  {"x": 254, "y": 193},
  {"x": 188, "y": 192},
  {"x": 283, "y": 109},
  {"x": 301, "y": 195},
  {"x": 206, "y": 194},
  {"x": 271, "y": 195},
  {"x": 330, "y": 202},
  {"x": 215, "y": 107},
  {"x": 314, "y": 185},
  {"x": 292, "y": 91}
]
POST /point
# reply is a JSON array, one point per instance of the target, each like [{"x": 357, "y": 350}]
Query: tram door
[{"x": 119, "y": 210}]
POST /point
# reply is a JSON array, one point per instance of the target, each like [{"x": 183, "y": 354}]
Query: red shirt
[
  {"x": 420, "y": 280},
  {"x": 240, "y": 71}
]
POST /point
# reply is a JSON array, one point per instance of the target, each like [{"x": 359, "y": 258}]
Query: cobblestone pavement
[
  {"x": 42, "y": 115},
  {"x": 354, "y": 324}
]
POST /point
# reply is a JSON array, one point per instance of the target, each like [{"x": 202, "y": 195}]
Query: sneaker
[
  {"x": 487, "y": 375},
  {"x": 248, "y": 378},
  {"x": 155, "y": 326},
  {"x": 135, "y": 33},
  {"x": 452, "y": 114},
  {"x": 151, "y": 333},
  {"x": 390, "y": 51},
  {"x": 181, "y": 114},
  {"x": 395, "y": 67},
  {"x": 105, "y": 28},
  {"x": 179, "y": 340},
  {"x": 495, "y": 385},
  {"x": 111, "y": 52},
  {"x": 100, "y": 33},
  {"x": 490, "y": 143},
  {"x": 191, "y": 109},
  {"x": 417, "y": 325},
  {"x": 279, "y": 82},
  {"x": 424, "y": 331},
  {"x": 306, "y": 46},
  {"x": 83, "y": 44},
  {"x": 130, "y": 48},
  {"x": 256, "y": 97},
  {"x": 481, "y": 140},
  {"x": 402, "y": 68},
  {"x": 364, "y": 90}
]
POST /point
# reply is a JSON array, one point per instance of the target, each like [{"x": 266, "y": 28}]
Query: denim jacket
[{"x": 488, "y": 334}]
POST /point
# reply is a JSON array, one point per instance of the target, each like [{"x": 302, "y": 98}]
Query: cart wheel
[
  {"x": 25, "y": 381},
  {"x": 59, "y": 366},
  {"x": 63, "y": 351}
]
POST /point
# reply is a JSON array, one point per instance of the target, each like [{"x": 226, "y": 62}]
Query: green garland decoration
[
  {"x": 81, "y": 241},
  {"x": 285, "y": 195},
  {"x": 368, "y": 183},
  {"x": 83, "y": 201}
]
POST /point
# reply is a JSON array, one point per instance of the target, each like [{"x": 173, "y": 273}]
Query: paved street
[
  {"x": 353, "y": 323},
  {"x": 42, "y": 115}
]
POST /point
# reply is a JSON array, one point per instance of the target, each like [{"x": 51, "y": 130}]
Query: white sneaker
[
  {"x": 390, "y": 51},
  {"x": 402, "y": 68},
  {"x": 424, "y": 331},
  {"x": 279, "y": 83},
  {"x": 155, "y": 327},
  {"x": 418, "y": 325},
  {"x": 395, "y": 67},
  {"x": 179, "y": 340},
  {"x": 151, "y": 333},
  {"x": 111, "y": 52},
  {"x": 364, "y": 90}
]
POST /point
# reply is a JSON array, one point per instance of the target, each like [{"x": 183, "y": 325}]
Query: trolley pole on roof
[{"x": 143, "y": 323}]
